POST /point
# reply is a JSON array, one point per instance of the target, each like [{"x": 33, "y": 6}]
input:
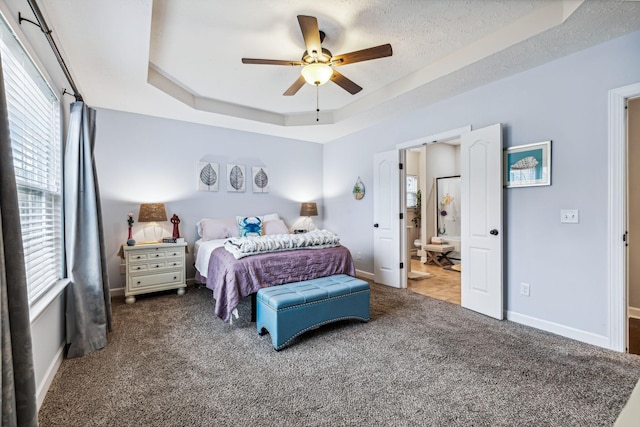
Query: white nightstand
[{"x": 154, "y": 267}]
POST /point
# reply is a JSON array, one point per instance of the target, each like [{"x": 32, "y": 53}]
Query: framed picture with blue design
[{"x": 528, "y": 165}]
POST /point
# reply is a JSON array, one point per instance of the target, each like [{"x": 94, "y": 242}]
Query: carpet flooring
[{"x": 418, "y": 362}]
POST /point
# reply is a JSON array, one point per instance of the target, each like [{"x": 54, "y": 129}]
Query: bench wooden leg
[
  {"x": 433, "y": 257},
  {"x": 445, "y": 258}
]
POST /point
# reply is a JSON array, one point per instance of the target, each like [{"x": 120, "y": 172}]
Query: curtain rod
[{"x": 47, "y": 32}]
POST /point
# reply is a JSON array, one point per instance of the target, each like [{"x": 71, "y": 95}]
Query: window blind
[{"x": 34, "y": 124}]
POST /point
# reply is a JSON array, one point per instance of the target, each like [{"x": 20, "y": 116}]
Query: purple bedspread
[{"x": 232, "y": 279}]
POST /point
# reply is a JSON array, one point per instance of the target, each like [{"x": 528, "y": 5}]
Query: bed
[{"x": 232, "y": 279}]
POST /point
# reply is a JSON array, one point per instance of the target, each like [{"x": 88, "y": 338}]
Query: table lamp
[
  {"x": 308, "y": 209},
  {"x": 152, "y": 213}
]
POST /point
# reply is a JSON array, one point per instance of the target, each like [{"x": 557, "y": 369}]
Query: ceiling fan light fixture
[{"x": 317, "y": 73}]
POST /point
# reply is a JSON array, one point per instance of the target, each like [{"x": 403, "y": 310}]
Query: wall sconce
[
  {"x": 308, "y": 209},
  {"x": 152, "y": 213}
]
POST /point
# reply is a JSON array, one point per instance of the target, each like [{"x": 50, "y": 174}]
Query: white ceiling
[{"x": 181, "y": 59}]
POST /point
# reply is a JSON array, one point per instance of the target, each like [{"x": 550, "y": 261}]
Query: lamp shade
[
  {"x": 152, "y": 212},
  {"x": 309, "y": 209},
  {"x": 317, "y": 73}
]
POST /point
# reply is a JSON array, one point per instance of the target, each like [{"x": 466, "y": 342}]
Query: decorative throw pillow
[
  {"x": 269, "y": 217},
  {"x": 274, "y": 227},
  {"x": 249, "y": 226},
  {"x": 213, "y": 229}
]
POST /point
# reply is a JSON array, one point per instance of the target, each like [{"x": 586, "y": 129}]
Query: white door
[
  {"x": 386, "y": 218},
  {"x": 481, "y": 192}
]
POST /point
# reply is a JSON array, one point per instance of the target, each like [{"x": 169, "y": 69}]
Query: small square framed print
[{"x": 528, "y": 165}]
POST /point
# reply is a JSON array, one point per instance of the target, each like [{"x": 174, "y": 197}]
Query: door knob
[
  {"x": 494, "y": 232},
  {"x": 376, "y": 225}
]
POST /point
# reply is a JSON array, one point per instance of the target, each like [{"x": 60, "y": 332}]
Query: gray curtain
[
  {"x": 88, "y": 300},
  {"x": 19, "y": 405}
]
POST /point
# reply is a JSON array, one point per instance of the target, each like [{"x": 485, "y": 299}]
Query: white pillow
[
  {"x": 212, "y": 229},
  {"x": 269, "y": 217},
  {"x": 274, "y": 227}
]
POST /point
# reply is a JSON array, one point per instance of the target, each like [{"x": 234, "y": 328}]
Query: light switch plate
[{"x": 569, "y": 216}]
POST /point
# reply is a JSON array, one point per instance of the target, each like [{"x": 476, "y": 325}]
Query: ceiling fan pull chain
[{"x": 317, "y": 103}]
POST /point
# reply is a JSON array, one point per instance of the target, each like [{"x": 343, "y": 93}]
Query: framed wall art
[
  {"x": 528, "y": 165},
  {"x": 261, "y": 177},
  {"x": 208, "y": 176},
  {"x": 236, "y": 178}
]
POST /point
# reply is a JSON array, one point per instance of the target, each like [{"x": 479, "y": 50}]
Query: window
[{"x": 34, "y": 123}]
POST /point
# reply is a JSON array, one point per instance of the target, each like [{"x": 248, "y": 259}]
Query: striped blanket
[{"x": 241, "y": 247}]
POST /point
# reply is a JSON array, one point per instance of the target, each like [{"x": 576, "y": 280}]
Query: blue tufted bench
[{"x": 286, "y": 311}]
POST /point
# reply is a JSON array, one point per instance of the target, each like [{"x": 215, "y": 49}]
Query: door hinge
[
  {"x": 401, "y": 166},
  {"x": 401, "y": 215},
  {"x": 401, "y": 265}
]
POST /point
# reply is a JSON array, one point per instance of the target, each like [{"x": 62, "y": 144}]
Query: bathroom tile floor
[{"x": 443, "y": 284}]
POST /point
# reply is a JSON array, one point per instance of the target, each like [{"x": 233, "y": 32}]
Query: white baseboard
[
  {"x": 116, "y": 292},
  {"x": 43, "y": 387},
  {"x": 634, "y": 312},
  {"x": 364, "y": 275},
  {"x": 558, "y": 329}
]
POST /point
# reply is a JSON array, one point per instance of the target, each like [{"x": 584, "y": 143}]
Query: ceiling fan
[{"x": 317, "y": 62}]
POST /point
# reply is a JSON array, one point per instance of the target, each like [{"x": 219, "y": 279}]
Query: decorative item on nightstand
[
  {"x": 175, "y": 237},
  {"x": 153, "y": 213},
  {"x": 175, "y": 220},
  {"x": 130, "y": 241},
  {"x": 308, "y": 209}
]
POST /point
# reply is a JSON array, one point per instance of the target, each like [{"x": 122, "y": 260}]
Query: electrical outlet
[
  {"x": 359, "y": 256},
  {"x": 569, "y": 216},
  {"x": 524, "y": 289}
]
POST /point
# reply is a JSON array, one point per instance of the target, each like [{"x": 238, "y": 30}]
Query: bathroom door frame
[
  {"x": 403, "y": 147},
  {"x": 617, "y": 216}
]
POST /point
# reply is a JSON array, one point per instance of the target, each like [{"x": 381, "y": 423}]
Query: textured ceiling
[{"x": 181, "y": 59}]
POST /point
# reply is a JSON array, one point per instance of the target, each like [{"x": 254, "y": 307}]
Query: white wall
[
  {"x": 147, "y": 159},
  {"x": 565, "y": 101}
]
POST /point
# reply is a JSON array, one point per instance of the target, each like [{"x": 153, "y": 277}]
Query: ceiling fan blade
[
  {"x": 295, "y": 87},
  {"x": 269, "y": 61},
  {"x": 363, "y": 55},
  {"x": 310, "y": 33},
  {"x": 345, "y": 83}
]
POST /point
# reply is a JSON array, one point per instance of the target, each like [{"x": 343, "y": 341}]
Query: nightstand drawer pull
[
  {"x": 157, "y": 265},
  {"x": 157, "y": 255},
  {"x": 138, "y": 257},
  {"x": 138, "y": 268}
]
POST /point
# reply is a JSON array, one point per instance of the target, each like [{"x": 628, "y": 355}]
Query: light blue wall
[
  {"x": 147, "y": 159},
  {"x": 564, "y": 101}
]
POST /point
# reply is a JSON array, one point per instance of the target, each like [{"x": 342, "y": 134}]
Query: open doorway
[
  {"x": 433, "y": 220},
  {"x": 620, "y": 235},
  {"x": 633, "y": 226}
]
